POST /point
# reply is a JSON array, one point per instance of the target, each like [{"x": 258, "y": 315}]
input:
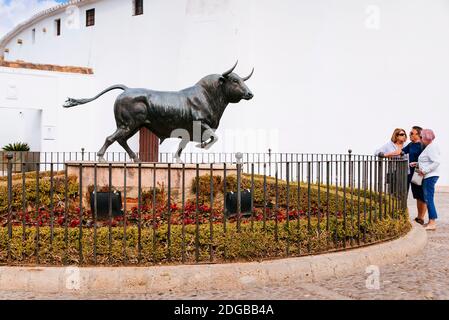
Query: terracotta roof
[
  {"x": 36, "y": 18},
  {"x": 45, "y": 67}
]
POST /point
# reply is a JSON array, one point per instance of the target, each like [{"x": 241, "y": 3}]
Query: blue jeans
[{"x": 428, "y": 186}]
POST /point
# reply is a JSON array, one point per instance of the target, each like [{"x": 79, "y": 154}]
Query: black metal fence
[
  {"x": 67, "y": 208},
  {"x": 59, "y": 159}
]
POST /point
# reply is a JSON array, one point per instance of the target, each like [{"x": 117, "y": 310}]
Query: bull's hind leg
[
  {"x": 123, "y": 142},
  {"x": 117, "y": 135},
  {"x": 129, "y": 116},
  {"x": 182, "y": 146},
  {"x": 128, "y": 150}
]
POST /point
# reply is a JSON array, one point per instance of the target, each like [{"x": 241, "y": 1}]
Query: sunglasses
[{"x": 401, "y": 134}]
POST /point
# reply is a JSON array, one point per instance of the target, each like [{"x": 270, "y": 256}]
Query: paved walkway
[{"x": 421, "y": 277}]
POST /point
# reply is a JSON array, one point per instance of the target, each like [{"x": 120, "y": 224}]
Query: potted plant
[{"x": 21, "y": 154}]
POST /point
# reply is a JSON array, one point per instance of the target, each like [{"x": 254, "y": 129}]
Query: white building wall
[
  {"x": 31, "y": 91},
  {"x": 330, "y": 75},
  {"x": 26, "y": 125}
]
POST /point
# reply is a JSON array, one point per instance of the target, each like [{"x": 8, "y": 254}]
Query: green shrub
[
  {"x": 44, "y": 192},
  {"x": 319, "y": 196},
  {"x": 205, "y": 186},
  {"x": 17, "y": 146},
  {"x": 32, "y": 175},
  {"x": 252, "y": 243}
]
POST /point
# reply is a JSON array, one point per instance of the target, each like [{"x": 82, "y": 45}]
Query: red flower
[
  {"x": 60, "y": 221},
  {"x": 293, "y": 214},
  {"x": 74, "y": 223},
  {"x": 204, "y": 208}
]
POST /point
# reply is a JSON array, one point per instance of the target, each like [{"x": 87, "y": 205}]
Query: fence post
[
  {"x": 9, "y": 156},
  {"x": 404, "y": 185},
  {"x": 269, "y": 162},
  {"x": 380, "y": 185},
  {"x": 350, "y": 168},
  {"x": 82, "y": 154},
  {"x": 238, "y": 157}
]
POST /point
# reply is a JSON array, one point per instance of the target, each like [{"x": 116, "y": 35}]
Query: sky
[{"x": 13, "y": 12}]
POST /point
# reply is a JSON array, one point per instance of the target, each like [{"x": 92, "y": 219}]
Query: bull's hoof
[
  {"x": 201, "y": 145},
  {"x": 101, "y": 159},
  {"x": 136, "y": 160},
  {"x": 207, "y": 146},
  {"x": 178, "y": 160}
]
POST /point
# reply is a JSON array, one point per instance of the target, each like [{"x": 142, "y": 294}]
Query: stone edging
[{"x": 108, "y": 280}]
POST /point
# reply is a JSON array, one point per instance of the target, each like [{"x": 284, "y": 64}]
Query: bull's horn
[
  {"x": 246, "y": 78},
  {"x": 225, "y": 74}
]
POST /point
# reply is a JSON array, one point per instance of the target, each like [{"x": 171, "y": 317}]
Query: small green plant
[
  {"x": 252, "y": 243},
  {"x": 17, "y": 146}
]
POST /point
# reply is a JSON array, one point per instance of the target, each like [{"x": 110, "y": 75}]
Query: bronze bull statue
[{"x": 173, "y": 114}]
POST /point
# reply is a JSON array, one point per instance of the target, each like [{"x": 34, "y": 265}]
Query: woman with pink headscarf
[{"x": 428, "y": 167}]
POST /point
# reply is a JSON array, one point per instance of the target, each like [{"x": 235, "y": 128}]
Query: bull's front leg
[{"x": 210, "y": 138}]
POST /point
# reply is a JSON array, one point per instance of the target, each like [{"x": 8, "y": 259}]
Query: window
[
  {"x": 33, "y": 36},
  {"x": 138, "y": 7},
  {"x": 90, "y": 17},
  {"x": 58, "y": 27}
]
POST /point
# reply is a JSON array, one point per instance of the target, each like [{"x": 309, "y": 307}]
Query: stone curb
[{"x": 232, "y": 276}]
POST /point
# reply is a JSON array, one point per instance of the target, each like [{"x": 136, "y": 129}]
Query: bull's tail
[{"x": 76, "y": 102}]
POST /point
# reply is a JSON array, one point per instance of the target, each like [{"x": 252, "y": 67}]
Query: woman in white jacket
[{"x": 428, "y": 167}]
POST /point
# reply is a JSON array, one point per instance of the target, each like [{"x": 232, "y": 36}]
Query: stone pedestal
[{"x": 148, "y": 172}]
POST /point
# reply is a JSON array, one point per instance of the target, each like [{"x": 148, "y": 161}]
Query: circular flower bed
[{"x": 305, "y": 219}]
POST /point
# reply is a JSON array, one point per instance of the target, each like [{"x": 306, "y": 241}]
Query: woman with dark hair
[
  {"x": 414, "y": 149},
  {"x": 428, "y": 167}
]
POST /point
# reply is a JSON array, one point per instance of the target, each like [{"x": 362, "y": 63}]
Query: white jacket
[
  {"x": 386, "y": 148},
  {"x": 429, "y": 161}
]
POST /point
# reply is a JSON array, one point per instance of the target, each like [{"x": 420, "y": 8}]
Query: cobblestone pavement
[{"x": 421, "y": 277}]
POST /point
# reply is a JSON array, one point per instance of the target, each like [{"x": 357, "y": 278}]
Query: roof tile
[{"x": 45, "y": 67}]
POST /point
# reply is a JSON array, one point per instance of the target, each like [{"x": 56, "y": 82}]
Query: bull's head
[{"x": 234, "y": 86}]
